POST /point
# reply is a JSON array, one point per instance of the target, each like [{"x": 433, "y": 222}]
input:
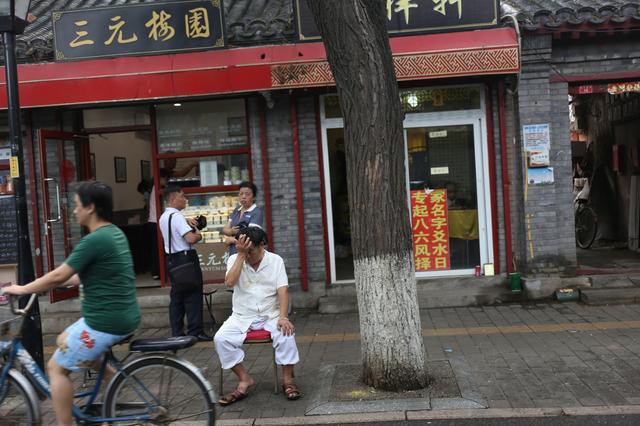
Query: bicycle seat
[{"x": 164, "y": 344}]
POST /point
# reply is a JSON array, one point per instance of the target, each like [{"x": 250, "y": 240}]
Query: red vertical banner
[{"x": 429, "y": 222}]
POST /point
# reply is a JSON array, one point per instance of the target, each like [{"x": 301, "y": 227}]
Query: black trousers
[{"x": 186, "y": 303}]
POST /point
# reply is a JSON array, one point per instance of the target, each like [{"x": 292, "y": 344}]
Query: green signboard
[
  {"x": 405, "y": 17},
  {"x": 138, "y": 29}
]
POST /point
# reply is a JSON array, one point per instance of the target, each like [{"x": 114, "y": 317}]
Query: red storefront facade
[{"x": 452, "y": 84}]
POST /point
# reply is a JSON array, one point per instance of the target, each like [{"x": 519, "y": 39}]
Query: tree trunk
[{"x": 355, "y": 36}]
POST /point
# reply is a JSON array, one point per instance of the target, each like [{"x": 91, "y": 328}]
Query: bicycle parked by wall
[
  {"x": 155, "y": 387},
  {"x": 586, "y": 220}
]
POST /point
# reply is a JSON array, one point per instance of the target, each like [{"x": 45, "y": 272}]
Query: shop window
[
  {"x": 116, "y": 117},
  {"x": 202, "y": 126},
  {"x": 220, "y": 170}
]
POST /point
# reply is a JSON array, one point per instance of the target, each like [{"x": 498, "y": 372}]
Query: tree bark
[{"x": 355, "y": 36}]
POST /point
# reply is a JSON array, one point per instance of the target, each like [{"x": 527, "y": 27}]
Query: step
[
  {"x": 605, "y": 296},
  {"x": 615, "y": 281}
]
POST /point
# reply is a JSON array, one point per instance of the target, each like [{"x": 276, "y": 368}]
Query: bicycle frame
[{"x": 36, "y": 376}]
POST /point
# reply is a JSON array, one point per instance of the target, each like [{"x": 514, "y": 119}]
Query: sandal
[
  {"x": 230, "y": 398},
  {"x": 291, "y": 391}
]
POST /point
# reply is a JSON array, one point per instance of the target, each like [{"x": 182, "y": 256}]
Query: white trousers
[{"x": 230, "y": 337}]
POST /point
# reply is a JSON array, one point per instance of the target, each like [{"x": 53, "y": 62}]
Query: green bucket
[{"x": 515, "y": 282}]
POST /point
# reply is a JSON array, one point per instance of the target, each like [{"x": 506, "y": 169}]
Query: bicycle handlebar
[{"x": 24, "y": 311}]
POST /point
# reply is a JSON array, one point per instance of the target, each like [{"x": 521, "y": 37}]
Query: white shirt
[
  {"x": 255, "y": 294},
  {"x": 179, "y": 228}
]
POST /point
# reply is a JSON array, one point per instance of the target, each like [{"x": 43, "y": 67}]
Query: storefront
[{"x": 267, "y": 113}]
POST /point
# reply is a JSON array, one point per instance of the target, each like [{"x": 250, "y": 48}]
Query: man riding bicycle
[{"x": 102, "y": 266}]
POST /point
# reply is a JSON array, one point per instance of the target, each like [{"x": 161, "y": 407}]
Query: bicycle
[
  {"x": 156, "y": 387},
  {"x": 586, "y": 220}
]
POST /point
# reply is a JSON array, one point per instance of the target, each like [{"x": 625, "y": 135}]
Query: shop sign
[
  {"x": 619, "y": 88},
  {"x": 418, "y": 16},
  {"x": 429, "y": 222},
  {"x": 213, "y": 261},
  {"x": 138, "y": 29}
]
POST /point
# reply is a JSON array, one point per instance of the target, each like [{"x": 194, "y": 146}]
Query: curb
[{"x": 490, "y": 413}]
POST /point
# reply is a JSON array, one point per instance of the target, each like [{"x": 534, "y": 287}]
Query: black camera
[{"x": 202, "y": 222}]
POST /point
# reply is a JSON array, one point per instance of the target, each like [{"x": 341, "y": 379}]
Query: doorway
[{"x": 446, "y": 148}]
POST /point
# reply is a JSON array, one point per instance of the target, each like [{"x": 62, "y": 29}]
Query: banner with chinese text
[
  {"x": 213, "y": 261},
  {"x": 429, "y": 222},
  {"x": 419, "y": 16},
  {"x": 137, "y": 29}
]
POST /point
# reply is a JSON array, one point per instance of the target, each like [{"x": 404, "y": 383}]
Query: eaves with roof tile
[{"x": 568, "y": 15}]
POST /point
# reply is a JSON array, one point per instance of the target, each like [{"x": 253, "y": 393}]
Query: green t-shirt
[{"x": 102, "y": 260}]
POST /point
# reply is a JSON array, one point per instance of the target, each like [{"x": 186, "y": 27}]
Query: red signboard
[{"x": 429, "y": 221}]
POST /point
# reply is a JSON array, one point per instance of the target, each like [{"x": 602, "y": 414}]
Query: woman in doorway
[{"x": 246, "y": 214}]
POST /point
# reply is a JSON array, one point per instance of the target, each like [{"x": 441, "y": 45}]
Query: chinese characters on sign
[
  {"x": 213, "y": 261},
  {"x": 138, "y": 29},
  {"x": 429, "y": 222},
  {"x": 419, "y": 16}
]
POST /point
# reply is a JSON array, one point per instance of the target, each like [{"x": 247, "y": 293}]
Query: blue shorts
[{"x": 83, "y": 346}]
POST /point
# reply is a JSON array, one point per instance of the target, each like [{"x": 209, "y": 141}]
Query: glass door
[
  {"x": 447, "y": 196},
  {"x": 64, "y": 162}
]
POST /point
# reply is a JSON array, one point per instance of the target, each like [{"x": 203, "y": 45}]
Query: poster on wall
[
  {"x": 430, "y": 229},
  {"x": 536, "y": 139},
  {"x": 540, "y": 176}
]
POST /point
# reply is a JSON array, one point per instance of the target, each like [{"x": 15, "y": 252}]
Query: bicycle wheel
[
  {"x": 586, "y": 227},
  {"x": 161, "y": 389},
  {"x": 17, "y": 404}
]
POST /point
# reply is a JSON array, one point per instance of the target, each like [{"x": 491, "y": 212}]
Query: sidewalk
[{"x": 538, "y": 359}]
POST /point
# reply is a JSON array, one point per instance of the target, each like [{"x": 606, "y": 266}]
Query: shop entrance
[
  {"x": 606, "y": 168},
  {"x": 123, "y": 161},
  {"x": 446, "y": 152}
]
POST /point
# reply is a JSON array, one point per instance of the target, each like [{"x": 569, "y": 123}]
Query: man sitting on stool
[{"x": 260, "y": 301}]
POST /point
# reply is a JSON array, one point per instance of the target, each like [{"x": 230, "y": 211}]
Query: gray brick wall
[
  {"x": 282, "y": 183},
  {"x": 549, "y": 246},
  {"x": 548, "y": 235}
]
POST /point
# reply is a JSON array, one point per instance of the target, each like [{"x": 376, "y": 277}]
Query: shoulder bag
[{"x": 181, "y": 270}]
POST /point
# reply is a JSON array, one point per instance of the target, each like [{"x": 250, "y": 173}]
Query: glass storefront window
[
  {"x": 216, "y": 208},
  {"x": 208, "y": 171},
  {"x": 116, "y": 117},
  {"x": 202, "y": 126},
  {"x": 423, "y": 100},
  {"x": 443, "y": 157}
]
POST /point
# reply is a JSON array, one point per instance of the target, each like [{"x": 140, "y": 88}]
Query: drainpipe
[
  {"x": 304, "y": 279},
  {"x": 492, "y": 177},
  {"x": 505, "y": 177}
]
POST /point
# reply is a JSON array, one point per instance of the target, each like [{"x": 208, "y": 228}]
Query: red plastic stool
[{"x": 259, "y": 337}]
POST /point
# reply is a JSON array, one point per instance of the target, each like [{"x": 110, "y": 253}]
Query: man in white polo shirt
[{"x": 260, "y": 301}]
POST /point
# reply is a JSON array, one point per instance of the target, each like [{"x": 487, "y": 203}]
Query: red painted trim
[
  {"x": 304, "y": 278},
  {"x": 506, "y": 197},
  {"x": 217, "y": 188},
  {"x": 325, "y": 226},
  {"x": 266, "y": 179},
  {"x": 35, "y": 217},
  {"x": 492, "y": 177},
  {"x": 211, "y": 153},
  {"x": 588, "y": 78},
  {"x": 237, "y": 70},
  {"x": 164, "y": 280}
]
